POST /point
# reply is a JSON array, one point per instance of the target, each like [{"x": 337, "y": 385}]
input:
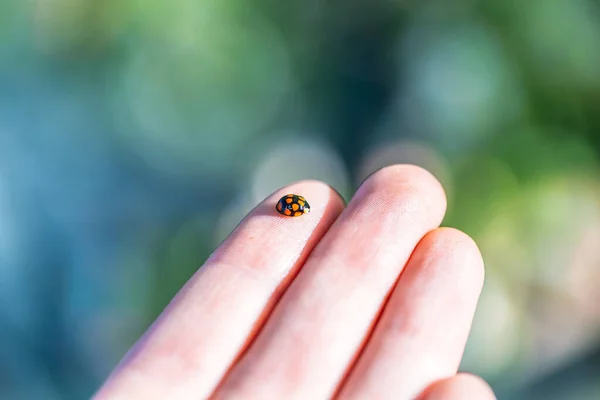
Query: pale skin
[{"x": 368, "y": 301}]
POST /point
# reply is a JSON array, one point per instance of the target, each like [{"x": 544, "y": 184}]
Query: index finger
[{"x": 217, "y": 313}]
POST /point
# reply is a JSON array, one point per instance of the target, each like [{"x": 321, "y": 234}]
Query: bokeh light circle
[{"x": 298, "y": 156}]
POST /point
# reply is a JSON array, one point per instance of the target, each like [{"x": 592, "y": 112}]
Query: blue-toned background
[{"x": 135, "y": 134}]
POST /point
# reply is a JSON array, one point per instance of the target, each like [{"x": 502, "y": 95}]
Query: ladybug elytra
[{"x": 292, "y": 205}]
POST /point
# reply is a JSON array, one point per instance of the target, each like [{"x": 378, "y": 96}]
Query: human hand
[{"x": 373, "y": 301}]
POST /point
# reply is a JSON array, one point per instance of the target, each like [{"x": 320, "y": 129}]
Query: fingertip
[
  {"x": 416, "y": 186},
  {"x": 276, "y": 230},
  {"x": 452, "y": 243},
  {"x": 458, "y": 387}
]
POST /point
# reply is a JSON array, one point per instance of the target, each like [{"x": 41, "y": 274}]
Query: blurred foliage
[{"x": 135, "y": 134}]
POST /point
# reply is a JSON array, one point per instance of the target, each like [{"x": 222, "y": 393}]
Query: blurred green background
[{"x": 135, "y": 134}]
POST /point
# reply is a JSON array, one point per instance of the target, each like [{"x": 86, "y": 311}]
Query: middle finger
[{"x": 322, "y": 321}]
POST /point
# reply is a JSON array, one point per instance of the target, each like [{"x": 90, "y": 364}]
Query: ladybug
[{"x": 292, "y": 205}]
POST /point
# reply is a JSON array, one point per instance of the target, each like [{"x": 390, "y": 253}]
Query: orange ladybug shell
[{"x": 292, "y": 205}]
